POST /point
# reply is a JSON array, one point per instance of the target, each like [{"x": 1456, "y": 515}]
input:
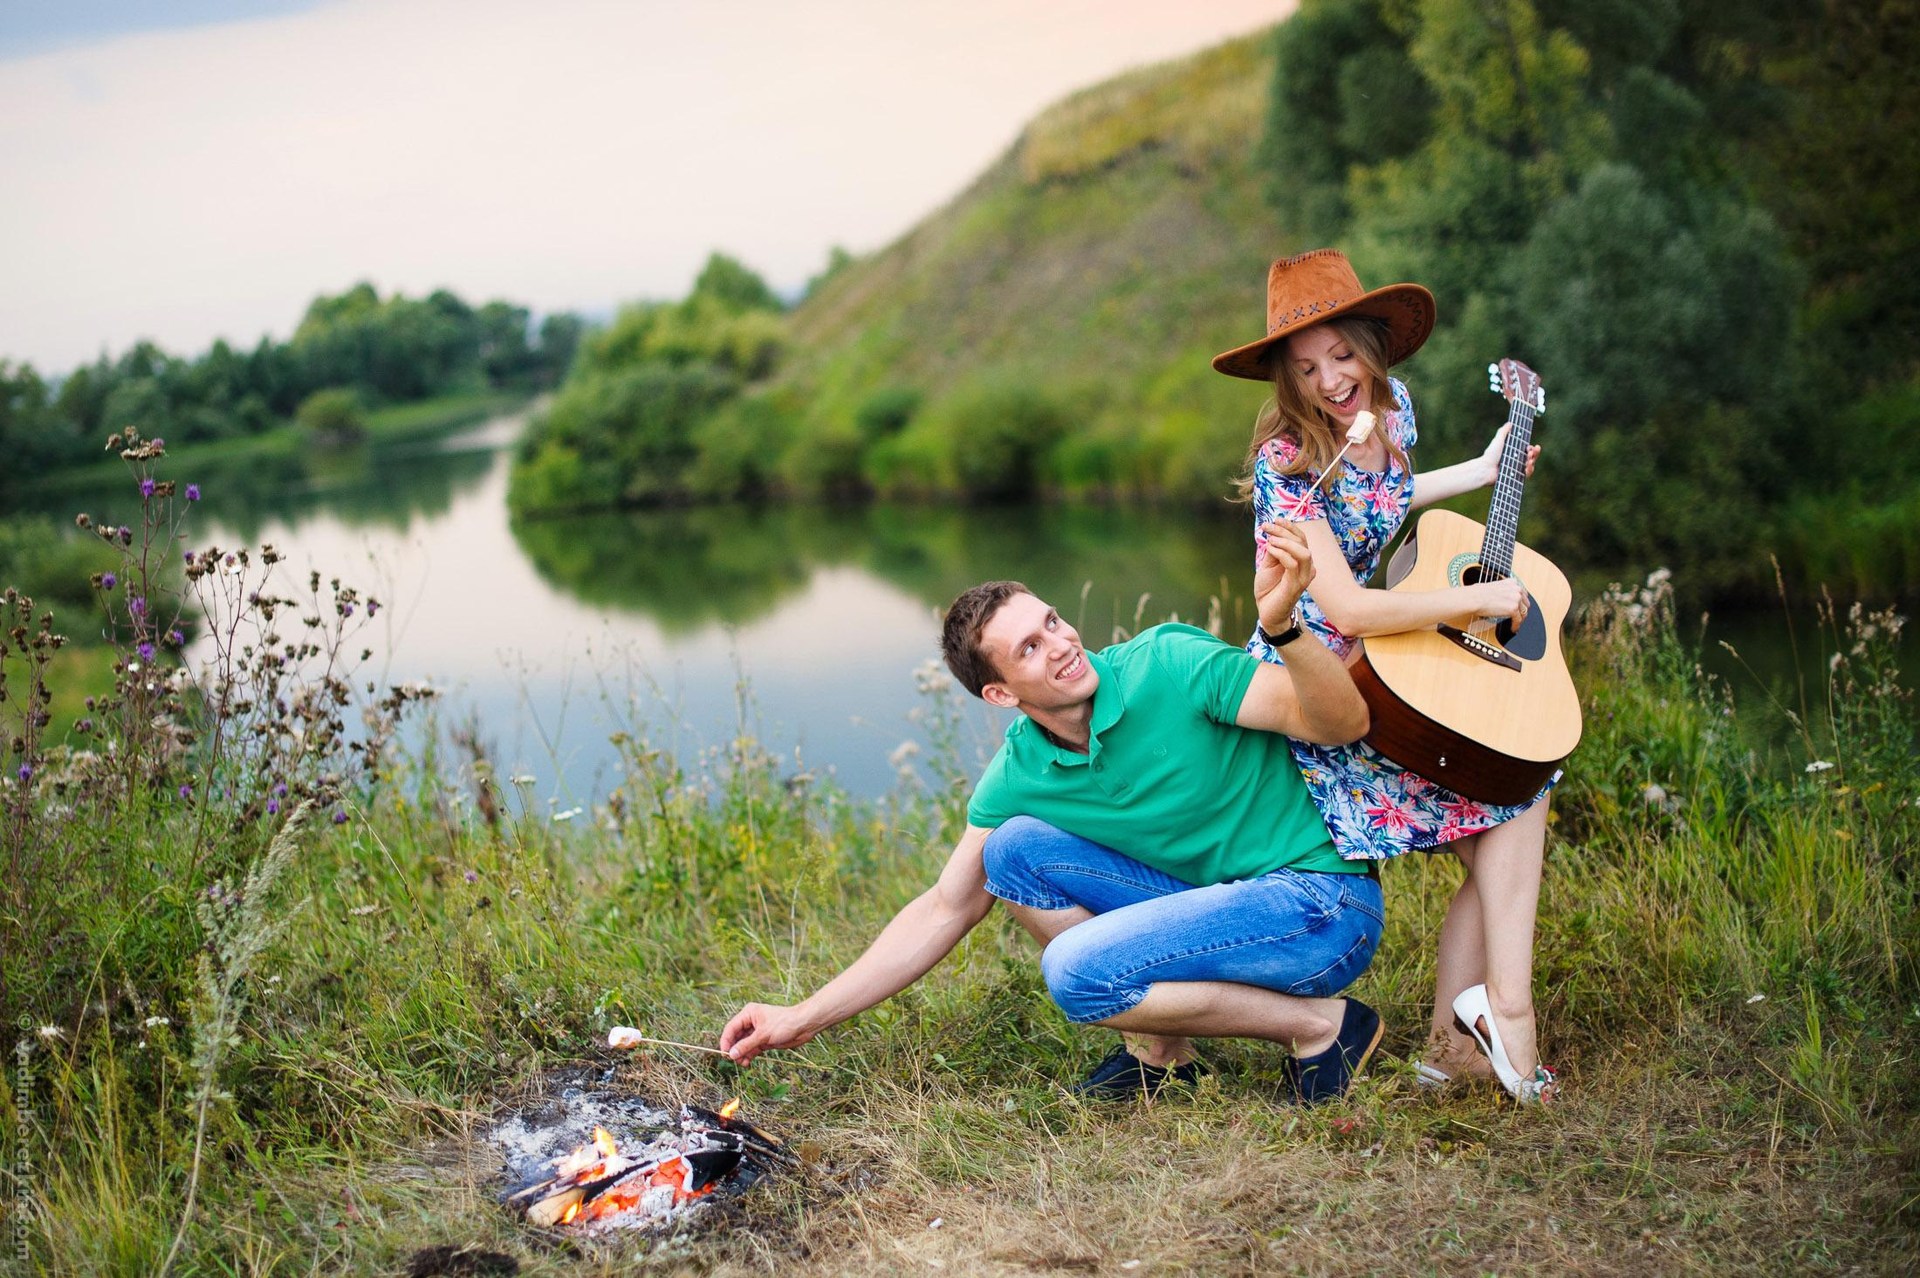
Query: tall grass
[{"x": 1727, "y": 977}]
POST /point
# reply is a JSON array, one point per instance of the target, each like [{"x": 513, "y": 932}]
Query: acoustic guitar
[{"x": 1484, "y": 709}]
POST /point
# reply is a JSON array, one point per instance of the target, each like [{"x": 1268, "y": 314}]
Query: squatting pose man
[
  {"x": 1144, "y": 821},
  {"x": 1328, "y": 346}
]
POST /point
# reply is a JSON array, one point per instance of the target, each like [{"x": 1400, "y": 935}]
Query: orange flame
[
  {"x": 731, "y": 1108},
  {"x": 605, "y": 1142},
  {"x": 572, "y": 1211}
]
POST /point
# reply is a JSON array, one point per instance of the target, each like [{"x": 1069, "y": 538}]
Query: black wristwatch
[{"x": 1280, "y": 640}]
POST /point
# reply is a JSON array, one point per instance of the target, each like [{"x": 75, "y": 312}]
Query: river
[{"x": 800, "y": 626}]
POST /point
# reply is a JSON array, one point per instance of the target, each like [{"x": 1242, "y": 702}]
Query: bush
[
  {"x": 333, "y": 418},
  {"x": 1002, "y": 433}
]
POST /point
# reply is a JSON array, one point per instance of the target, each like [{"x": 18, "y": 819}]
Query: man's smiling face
[{"x": 1038, "y": 656}]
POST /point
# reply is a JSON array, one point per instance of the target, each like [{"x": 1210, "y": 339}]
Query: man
[{"x": 1145, "y": 822}]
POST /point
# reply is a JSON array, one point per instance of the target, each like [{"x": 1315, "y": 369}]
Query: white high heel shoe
[{"x": 1470, "y": 1009}]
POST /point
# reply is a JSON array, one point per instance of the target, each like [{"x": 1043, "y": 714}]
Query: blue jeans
[{"x": 1297, "y": 932}]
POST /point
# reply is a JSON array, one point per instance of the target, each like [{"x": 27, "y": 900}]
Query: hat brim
[{"x": 1408, "y": 310}]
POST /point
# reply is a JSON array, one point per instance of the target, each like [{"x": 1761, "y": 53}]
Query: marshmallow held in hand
[{"x": 1361, "y": 428}]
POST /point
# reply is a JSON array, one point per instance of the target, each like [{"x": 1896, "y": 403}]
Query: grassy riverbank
[
  {"x": 1727, "y": 975},
  {"x": 394, "y": 426}
]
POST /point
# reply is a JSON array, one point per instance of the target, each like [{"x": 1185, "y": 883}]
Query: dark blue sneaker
[
  {"x": 1122, "y": 1076},
  {"x": 1326, "y": 1076}
]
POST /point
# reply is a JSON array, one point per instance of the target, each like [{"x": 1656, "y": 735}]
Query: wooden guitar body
[{"x": 1488, "y": 713}]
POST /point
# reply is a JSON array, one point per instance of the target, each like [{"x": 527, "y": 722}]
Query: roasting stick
[
  {"x": 624, "y": 1036},
  {"x": 1356, "y": 434}
]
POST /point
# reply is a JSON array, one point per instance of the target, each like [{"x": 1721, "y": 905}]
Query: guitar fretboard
[{"x": 1503, "y": 519}]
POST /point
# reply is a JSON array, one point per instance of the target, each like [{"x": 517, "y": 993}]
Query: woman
[{"x": 1329, "y": 344}]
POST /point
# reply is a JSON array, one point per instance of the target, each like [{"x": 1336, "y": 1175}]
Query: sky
[{"x": 182, "y": 170}]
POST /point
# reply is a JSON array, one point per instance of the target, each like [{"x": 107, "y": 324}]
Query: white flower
[
  {"x": 1654, "y": 795},
  {"x": 1819, "y": 765},
  {"x": 902, "y": 752},
  {"x": 568, "y": 815},
  {"x": 152, "y": 1021},
  {"x": 52, "y": 1032}
]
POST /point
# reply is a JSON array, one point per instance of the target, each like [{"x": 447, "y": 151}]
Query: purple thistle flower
[
  {"x": 373, "y": 606},
  {"x": 26, "y": 772},
  {"x": 273, "y": 807},
  {"x": 146, "y": 488},
  {"x": 339, "y": 817},
  {"x": 146, "y": 651},
  {"x": 472, "y": 877},
  {"x": 281, "y": 789},
  {"x": 175, "y": 638},
  {"x": 186, "y": 792},
  {"x": 108, "y": 581},
  {"x": 137, "y": 605},
  {"x": 193, "y": 492},
  {"x": 158, "y": 442}
]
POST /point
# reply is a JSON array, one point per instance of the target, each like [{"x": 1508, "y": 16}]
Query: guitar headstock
[{"x": 1512, "y": 380}]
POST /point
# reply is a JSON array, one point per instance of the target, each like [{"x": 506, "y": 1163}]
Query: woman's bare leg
[
  {"x": 1505, "y": 872},
  {"x": 1460, "y": 961}
]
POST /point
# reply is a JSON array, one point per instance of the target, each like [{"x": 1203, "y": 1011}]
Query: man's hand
[
  {"x": 760, "y": 1027},
  {"x": 1283, "y": 574}
]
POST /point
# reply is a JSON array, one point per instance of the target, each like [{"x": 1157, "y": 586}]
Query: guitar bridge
[{"x": 1479, "y": 647}]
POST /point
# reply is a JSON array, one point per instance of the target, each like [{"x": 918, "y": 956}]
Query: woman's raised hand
[{"x": 1283, "y": 574}]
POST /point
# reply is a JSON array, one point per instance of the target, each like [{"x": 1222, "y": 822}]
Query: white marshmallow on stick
[{"x": 1358, "y": 433}]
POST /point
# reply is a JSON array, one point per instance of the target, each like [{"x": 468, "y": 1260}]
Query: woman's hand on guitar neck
[{"x": 1490, "y": 460}]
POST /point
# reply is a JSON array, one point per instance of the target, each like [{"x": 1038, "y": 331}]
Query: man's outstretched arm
[{"x": 918, "y": 937}]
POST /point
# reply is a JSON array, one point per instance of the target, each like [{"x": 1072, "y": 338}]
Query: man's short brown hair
[{"x": 966, "y": 617}]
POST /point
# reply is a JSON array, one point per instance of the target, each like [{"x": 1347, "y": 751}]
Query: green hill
[{"x": 1095, "y": 268}]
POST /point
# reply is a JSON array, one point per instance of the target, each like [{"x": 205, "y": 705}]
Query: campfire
[{"x": 645, "y": 1184}]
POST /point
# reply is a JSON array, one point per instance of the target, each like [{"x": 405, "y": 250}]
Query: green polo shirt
[{"x": 1168, "y": 779}]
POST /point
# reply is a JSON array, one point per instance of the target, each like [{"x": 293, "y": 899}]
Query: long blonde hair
[{"x": 1294, "y": 413}]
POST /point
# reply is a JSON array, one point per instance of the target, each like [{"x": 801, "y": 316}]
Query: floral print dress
[{"x": 1373, "y": 807}]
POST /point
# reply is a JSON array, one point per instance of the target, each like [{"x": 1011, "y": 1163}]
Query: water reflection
[{"x": 1107, "y": 569}]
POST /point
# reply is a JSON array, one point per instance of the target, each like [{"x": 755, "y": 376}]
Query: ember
[{"x": 600, "y": 1186}]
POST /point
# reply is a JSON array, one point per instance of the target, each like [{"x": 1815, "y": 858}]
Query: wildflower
[
  {"x": 568, "y": 815},
  {"x": 126, "y": 535},
  {"x": 281, "y": 789},
  {"x": 175, "y": 638},
  {"x": 273, "y": 807},
  {"x": 373, "y": 606},
  {"x": 472, "y": 877},
  {"x": 186, "y": 792},
  {"x": 152, "y": 1021},
  {"x": 1819, "y": 765},
  {"x": 146, "y": 651},
  {"x": 193, "y": 492},
  {"x": 158, "y": 442},
  {"x": 108, "y": 580},
  {"x": 26, "y": 773},
  {"x": 137, "y": 605},
  {"x": 339, "y": 816},
  {"x": 146, "y": 488},
  {"x": 52, "y": 1032}
]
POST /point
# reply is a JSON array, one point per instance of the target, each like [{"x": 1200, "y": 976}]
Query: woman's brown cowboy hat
[{"x": 1320, "y": 285}]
